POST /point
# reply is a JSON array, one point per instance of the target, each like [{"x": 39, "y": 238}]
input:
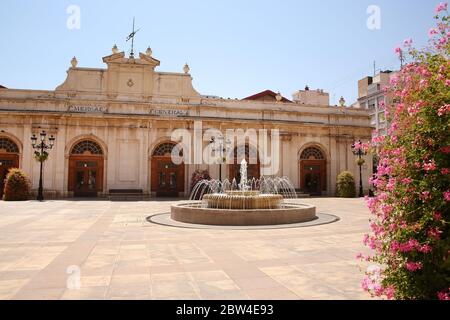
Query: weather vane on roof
[{"x": 131, "y": 36}]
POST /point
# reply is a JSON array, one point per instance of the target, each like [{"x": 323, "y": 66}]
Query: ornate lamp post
[
  {"x": 358, "y": 150},
  {"x": 41, "y": 155},
  {"x": 222, "y": 147}
]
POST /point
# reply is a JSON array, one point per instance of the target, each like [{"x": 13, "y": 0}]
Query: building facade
[
  {"x": 371, "y": 94},
  {"x": 113, "y": 130}
]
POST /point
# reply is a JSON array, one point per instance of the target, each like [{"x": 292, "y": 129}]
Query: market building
[{"x": 113, "y": 131}]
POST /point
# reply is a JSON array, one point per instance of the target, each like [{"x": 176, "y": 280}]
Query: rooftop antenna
[
  {"x": 374, "y": 68},
  {"x": 131, "y": 36}
]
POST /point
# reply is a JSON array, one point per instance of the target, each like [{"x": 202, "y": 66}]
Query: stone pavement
[{"x": 117, "y": 254}]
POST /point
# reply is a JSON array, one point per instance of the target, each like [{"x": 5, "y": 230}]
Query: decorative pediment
[
  {"x": 149, "y": 59},
  {"x": 119, "y": 58},
  {"x": 128, "y": 76},
  {"x": 116, "y": 57}
]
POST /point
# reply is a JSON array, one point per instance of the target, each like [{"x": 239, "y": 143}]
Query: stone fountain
[{"x": 249, "y": 203}]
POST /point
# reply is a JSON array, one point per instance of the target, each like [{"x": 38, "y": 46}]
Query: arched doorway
[
  {"x": 9, "y": 158},
  {"x": 251, "y": 156},
  {"x": 167, "y": 178},
  {"x": 313, "y": 178},
  {"x": 86, "y": 169}
]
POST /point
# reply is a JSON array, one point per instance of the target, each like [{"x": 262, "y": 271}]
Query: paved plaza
[{"x": 118, "y": 254}]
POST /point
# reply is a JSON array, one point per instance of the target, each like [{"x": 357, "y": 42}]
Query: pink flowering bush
[{"x": 410, "y": 228}]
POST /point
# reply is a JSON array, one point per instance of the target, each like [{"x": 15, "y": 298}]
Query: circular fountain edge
[{"x": 194, "y": 214}]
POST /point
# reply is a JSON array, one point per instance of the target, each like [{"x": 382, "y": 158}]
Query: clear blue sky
[{"x": 235, "y": 48}]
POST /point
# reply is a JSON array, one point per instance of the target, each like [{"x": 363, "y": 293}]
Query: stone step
[{"x": 128, "y": 197}]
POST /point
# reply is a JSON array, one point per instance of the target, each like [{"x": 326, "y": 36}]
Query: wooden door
[
  {"x": 167, "y": 177},
  {"x": 313, "y": 177},
  {"x": 85, "y": 175}
]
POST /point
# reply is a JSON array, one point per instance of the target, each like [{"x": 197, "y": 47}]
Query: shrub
[
  {"x": 410, "y": 227},
  {"x": 17, "y": 186},
  {"x": 346, "y": 187}
]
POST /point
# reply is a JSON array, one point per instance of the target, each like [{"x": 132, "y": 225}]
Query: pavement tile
[{"x": 122, "y": 256}]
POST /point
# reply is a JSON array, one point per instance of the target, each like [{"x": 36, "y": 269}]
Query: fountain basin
[
  {"x": 195, "y": 213},
  {"x": 243, "y": 200}
]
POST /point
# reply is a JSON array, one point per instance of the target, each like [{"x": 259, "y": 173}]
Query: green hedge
[
  {"x": 346, "y": 187},
  {"x": 17, "y": 186}
]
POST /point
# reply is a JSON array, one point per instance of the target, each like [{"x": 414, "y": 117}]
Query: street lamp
[
  {"x": 221, "y": 146},
  {"x": 358, "y": 150},
  {"x": 41, "y": 155}
]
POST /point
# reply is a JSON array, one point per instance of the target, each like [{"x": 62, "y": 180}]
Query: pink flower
[
  {"x": 425, "y": 195},
  {"x": 413, "y": 110},
  {"x": 391, "y": 185},
  {"x": 445, "y": 171},
  {"x": 420, "y": 104},
  {"x": 447, "y": 195},
  {"x": 366, "y": 239},
  {"x": 446, "y": 149},
  {"x": 424, "y": 71},
  {"x": 442, "y": 295},
  {"x": 407, "y": 180},
  {"x": 444, "y": 110},
  {"x": 394, "y": 79},
  {"x": 378, "y": 289},
  {"x": 429, "y": 166},
  {"x": 447, "y": 82},
  {"x": 378, "y": 139},
  {"x": 413, "y": 266},
  {"x": 408, "y": 42},
  {"x": 423, "y": 83},
  {"x": 373, "y": 244},
  {"x": 409, "y": 246},
  {"x": 434, "y": 233},
  {"x": 441, "y": 7},
  {"x": 437, "y": 216},
  {"x": 425, "y": 248},
  {"x": 365, "y": 284},
  {"x": 390, "y": 292},
  {"x": 432, "y": 32},
  {"x": 400, "y": 108},
  {"x": 363, "y": 146},
  {"x": 398, "y": 51}
]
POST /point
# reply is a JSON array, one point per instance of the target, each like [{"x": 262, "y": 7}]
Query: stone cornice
[
  {"x": 265, "y": 114},
  {"x": 266, "y": 123}
]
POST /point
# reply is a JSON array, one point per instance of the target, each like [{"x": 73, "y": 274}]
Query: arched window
[
  {"x": 312, "y": 153},
  {"x": 8, "y": 146},
  {"x": 87, "y": 146},
  {"x": 165, "y": 150}
]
